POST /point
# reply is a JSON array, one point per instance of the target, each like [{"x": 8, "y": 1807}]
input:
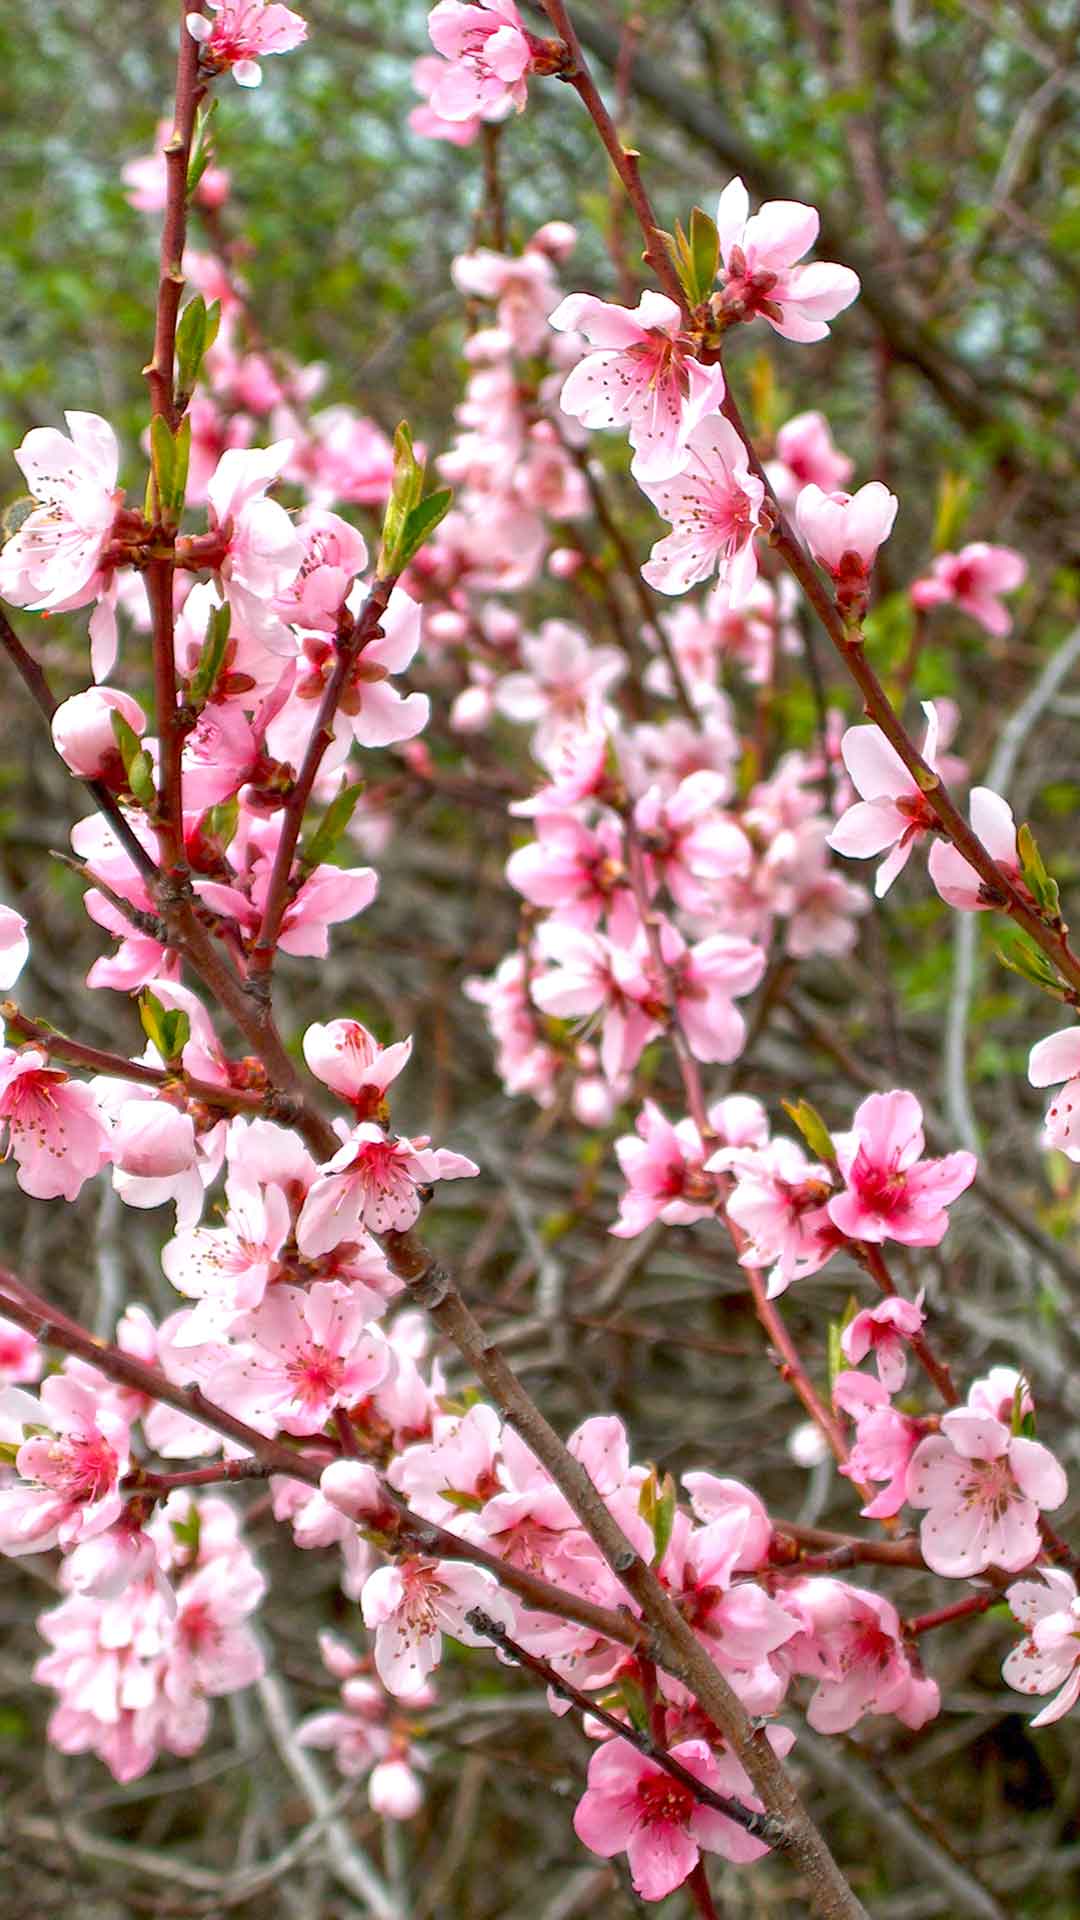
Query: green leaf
[
  {"x": 1022, "y": 956},
  {"x": 322, "y": 844},
  {"x": 953, "y": 492},
  {"x": 140, "y": 776},
  {"x": 219, "y": 823},
  {"x": 405, "y": 493},
  {"x": 704, "y": 253},
  {"x": 656, "y": 1505},
  {"x": 187, "y": 1532},
  {"x": 1039, "y": 882},
  {"x": 202, "y": 151},
  {"x": 420, "y": 523},
  {"x": 169, "y": 462},
  {"x": 204, "y": 678},
  {"x": 812, "y": 1127},
  {"x": 126, "y": 739},
  {"x": 837, "y": 1356},
  {"x": 631, "y": 1698},
  {"x": 190, "y": 344},
  {"x": 167, "y": 1029}
]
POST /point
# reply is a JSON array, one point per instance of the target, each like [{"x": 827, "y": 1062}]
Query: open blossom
[
  {"x": 663, "y": 1167},
  {"x": 563, "y": 680},
  {"x": 852, "y": 1645},
  {"x": 973, "y": 579},
  {"x": 14, "y": 947},
  {"x": 631, "y": 1805},
  {"x": 241, "y": 33},
  {"x": 643, "y": 376},
  {"x": 760, "y": 254},
  {"x": 589, "y": 975},
  {"x": 714, "y": 506},
  {"x": 427, "y": 75},
  {"x": 263, "y": 549},
  {"x": 524, "y": 289},
  {"x": 1052, "y": 1060},
  {"x": 69, "y": 1474},
  {"x": 891, "y": 1192},
  {"x": 488, "y": 57},
  {"x": 373, "y": 1181},
  {"x": 956, "y": 881},
  {"x": 883, "y": 1331},
  {"x": 298, "y": 1356},
  {"x": 57, "y": 560},
  {"x": 54, "y": 1128},
  {"x": 333, "y": 554},
  {"x": 690, "y": 841},
  {"x": 891, "y": 811},
  {"x": 884, "y": 1441},
  {"x": 778, "y": 1201},
  {"x": 984, "y": 1488},
  {"x": 1048, "y": 1660},
  {"x": 410, "y": 1605}
]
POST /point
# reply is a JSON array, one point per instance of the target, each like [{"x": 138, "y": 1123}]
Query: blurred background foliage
[{"x": 940, "y": 139}]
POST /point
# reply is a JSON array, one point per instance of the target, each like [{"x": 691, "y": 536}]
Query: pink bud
[
  {"x": 564, "y": 562},
  {"x": 394, "y": 1790},
  {"x": 82, "y": 728},
  {"x": 840, "y": 528},
  {"x": 356, "y": 1491}
]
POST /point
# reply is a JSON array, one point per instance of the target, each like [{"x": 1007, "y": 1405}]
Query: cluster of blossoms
[{"x": 657, "y": 877}]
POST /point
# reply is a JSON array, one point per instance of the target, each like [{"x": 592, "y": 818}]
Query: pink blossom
[
  {"x": 334, "y": 552},
  {"x": 488, "y": 54},
  {"x": 69, "y": 1474},
  {"x": 956, "y": 881},
  {"x": 1049, "y": 1658},
  {"x": 778, "y": 1201},
  {"x": 373, "y": 1181},
  {"x": 241, "y": 33},
  {"x": 563, "y": 681},
  {"x": 455, "y": 1469},
  {"x": 844, "y": 530},
  {"x": 892, "y": 811},
  {"x": 54, "y": 1128},
  {"x": 663, "y": 1167},
  {"x": 591, "y": 976},
  {"x": 20, "y": 1356},
  {"x": 394, "y": 1789},
  {"x": 524, "y": 290},
  {"x": 227, "y": 1269},
  {"x": 410, "y": 1605},
  {"x": 805, "y": 456},
  {"x": 714, "y": 506},
  {"x": 631, "y": 1805},
  {"x": 329, "y": 895},
  {"x": 759, "y": 253},
  {"x": 427, "y": 74},
  {"x": 298, "y": 1356},
  {"x": 851, "y": 1644},
  {"x": 571, "y": 869},
  {"x": 705, "y": 980},
  {"x": 57, "y": 559},
  {"x": 984, "y": 1488},
  {"x": 263, "y": 549},
  {"x": 14, "y": 947},
  {"x": 973, "y": 580},
  {"x": 883, "y": 1331},
  {"x": 154, "y": 1152},
  {"x": 643, "y": 376},
  {"x": 145, "y": 178},
  {"x": 1054, "y": 1059},
  {"x": 690, "y": 841},
  {"x": 347, "y": 1058},
  {"x": 891, "y": 1192},
  {"x": 884, "y": 1441},
  {"x": 343, "y": 457}
]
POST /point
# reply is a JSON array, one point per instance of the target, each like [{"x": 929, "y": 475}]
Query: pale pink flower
[
  {"x": 705, "y": 980},
  {"x": 1054, "y": 1059},
  {"x": 347, "y": 1058},
  {"x": 70, "y": 1474},
  {"x": 984, "y": 1488},
  {"x": 329, "y": 895},
  {"x": 805, "y": 456},
  {"x": 373, "y": 1180},
  {"x": 844, "y": 530},
  {"x": 56, "y": 560},
  {"x": 427, "y": 74},
  {"x": 146, "y": 183},
  {"x": 453, "y": 1470},
  {"x": 973, "y": 580},
  {"x": 891, "y": 1192},
  {"x": 343, "y": 456},
  {"x": 760, "y": 252},
  {"x": 227, "y": 1269},
  {"x": 1049, "y": 1658},
  {"x": 851, "y": 1644},
  {"x": 298, "y": 1356},
  {"x": 394, "y": 1789},
  {"x": 410, "y": 1605},
  {"x": 563, "y": 681},
  {"x": 578, "y": 764},
  {"x": 14, "y": 947},
  {"x": 213, "y": 1651},
  {"x": 488, "y": 54},
  {"x": 263, "y": 548},
  {"x": 241, "y": 33},
  {"x": 884, "y": 1331},
  {"x": 571, "y": 869},
  {"x": 334, "y": 552},
  {"x": 643, "y": 376},
  {"x": 54, "y": 1128},
  {"x": 714, "y": 506},
  {"x": 884, "y": 1441},
  {"x": 523, "y": 287},
  {"x": 377, "y": 714},
  {"x": 663, "y": 1167},
  {"x": 892, "y": 811},
  {"x": 154, "y": 1152},
  {"x": 20, "y": 1356},
  {"x": 691, "y": 843},
  {"x": 631, "y": 1805},
  {"x": 956, "y": 881},
  {"x": 83, "y": 734},
  {"x": 778, "y": 1201},
  {"x": 590, "y": 976}
]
